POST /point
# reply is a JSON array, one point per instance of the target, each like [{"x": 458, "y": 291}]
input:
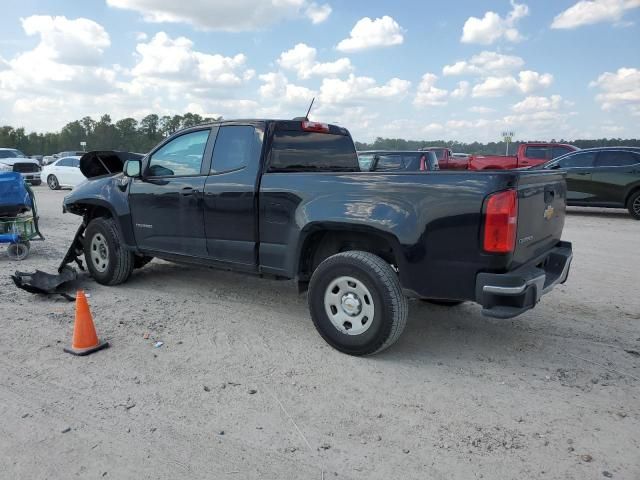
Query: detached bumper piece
[{"x": 506, "y": 295}]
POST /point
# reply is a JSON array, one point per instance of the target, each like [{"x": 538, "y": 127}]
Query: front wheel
[
  {"x": 633, "y": 205},
  {"x": 356, "y": 303},
  {"x": 107, "y": 260}
]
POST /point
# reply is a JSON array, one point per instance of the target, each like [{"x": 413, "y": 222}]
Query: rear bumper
[{"x": 506, "y": 295}]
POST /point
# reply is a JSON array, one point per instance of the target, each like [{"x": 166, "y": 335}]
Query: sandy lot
[{"x": 244, "y": 388}]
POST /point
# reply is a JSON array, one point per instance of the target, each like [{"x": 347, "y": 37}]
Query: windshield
[{"x": 11, "y": 154}]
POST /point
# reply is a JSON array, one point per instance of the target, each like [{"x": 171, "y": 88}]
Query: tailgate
[{"x": 541, "y": 212}]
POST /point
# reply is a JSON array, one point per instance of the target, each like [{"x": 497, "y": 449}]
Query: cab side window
[
  {"x": 181, "y": 156},
  {"x": 539, "y": 153},
  {"x": 558, "y": 151},
  {"x": 617, "y": 159},
  {"x": 389, "y": 162},
  {"x": 578, "y": 160},
  {"x": 65, "y": 162},
  {"x": 236, "y": 147}
]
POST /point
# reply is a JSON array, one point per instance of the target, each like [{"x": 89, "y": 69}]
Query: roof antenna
[{"x": 308, "y": 111}]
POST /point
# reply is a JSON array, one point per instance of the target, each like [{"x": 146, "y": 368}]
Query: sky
[{"x": 459, "y": 70}]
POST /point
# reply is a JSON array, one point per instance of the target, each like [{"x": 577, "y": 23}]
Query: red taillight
[
  {"x": 315, "y": 127},
  {"x": 501, "y": 222}
]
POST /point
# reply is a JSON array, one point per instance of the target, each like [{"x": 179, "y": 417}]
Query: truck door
[
  {"x": 230, "y": 204},
  {"x": 166, "y": 204}
]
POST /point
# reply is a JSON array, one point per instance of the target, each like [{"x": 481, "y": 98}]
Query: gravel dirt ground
[{"x": 244, "y": 388}]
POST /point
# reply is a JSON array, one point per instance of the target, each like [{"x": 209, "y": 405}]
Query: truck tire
[
  {"x": 107, "y": 260},
  {"x": 633, "y": 205},
  {"x": 356, "y": 303}
]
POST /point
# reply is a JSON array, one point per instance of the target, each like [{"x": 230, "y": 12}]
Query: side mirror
[{"x": 132, "y": 168}]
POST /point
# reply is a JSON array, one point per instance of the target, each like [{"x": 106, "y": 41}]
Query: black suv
[
  {"x": 602, "y": 177},
  {"x": 388, "y": 161}
]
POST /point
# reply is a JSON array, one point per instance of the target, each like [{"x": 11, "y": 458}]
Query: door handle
[{"x": 186, "y": 191}]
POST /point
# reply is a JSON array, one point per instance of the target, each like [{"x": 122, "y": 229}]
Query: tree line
[
  {"x": 127, "y": 134},
  {"x": 141, "y": 136}
]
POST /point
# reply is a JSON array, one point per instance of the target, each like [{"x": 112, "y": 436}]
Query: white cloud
[
  {"x": 534, "y": 104},
  {"x": 528, "y": 81},
  {"x": 484, "y": 63},
  {"x": 588, "y": 12},
  {"x": 318, "y": 13},
  {"x": 276, "y": 87},
  {"x": 367, "y": 33},
  {"x": 619, "y": 88},
  {"x": 71, "y": 42},
  {"x": 531, "y": 81},
  {"x": 302, "y": 60},
  {"x": 492, "y": 27},
  {"x": 481, "y": 110},
  {"x": 357, "y": 89},
  {"x": 461, "y": 91},
  {"x": 164, "y": 58},
  {"x": 428, "y": 94},
  {"x": 226, "y": 15}
]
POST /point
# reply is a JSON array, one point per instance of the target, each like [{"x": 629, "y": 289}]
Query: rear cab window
[{"x": 296, "y": 150}]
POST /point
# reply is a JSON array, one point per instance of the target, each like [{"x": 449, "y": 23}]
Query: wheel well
[
  {"x": 633, "y": 191},
  {"x": 320, "y": 245},
  {"x": 95, "y": 211}
]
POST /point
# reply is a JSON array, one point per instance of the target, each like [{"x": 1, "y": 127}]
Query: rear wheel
[
  {"x": 107, "y": 260},
  {"x": 356, "y": 303},
  {"x": 52, "y": 182},
  {"x": 633, "y": 205}
]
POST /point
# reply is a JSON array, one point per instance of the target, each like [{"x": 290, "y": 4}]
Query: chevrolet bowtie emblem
[{"x": 548, "y": 212}]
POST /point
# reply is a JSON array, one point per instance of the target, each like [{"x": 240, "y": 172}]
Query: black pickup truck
[{"x": 287, "y": 199}]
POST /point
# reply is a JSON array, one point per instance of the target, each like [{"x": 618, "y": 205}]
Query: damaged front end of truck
[{"x": 102, "y": 194}]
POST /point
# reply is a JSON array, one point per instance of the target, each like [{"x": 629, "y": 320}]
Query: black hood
[{"x": 104, "y": 162}]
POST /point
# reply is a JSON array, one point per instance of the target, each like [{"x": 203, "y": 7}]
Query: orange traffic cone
[{"x": 85, "y": 339}]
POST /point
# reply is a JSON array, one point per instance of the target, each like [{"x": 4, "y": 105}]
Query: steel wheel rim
[
  {"x": 52, "y": 182},
  {"x": 636, "y": 206},
  {"x": 99, "y": 252},
  {"x": 349, "y": 305}
]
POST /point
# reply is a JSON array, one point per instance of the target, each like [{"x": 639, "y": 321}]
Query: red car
[{"x": 528, "y": 155}]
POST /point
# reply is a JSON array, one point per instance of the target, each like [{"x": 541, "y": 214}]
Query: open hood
[{"x": 105, "y": 162}]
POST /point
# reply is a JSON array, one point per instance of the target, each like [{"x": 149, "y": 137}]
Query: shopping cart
[{"x": 18, "y": 215}]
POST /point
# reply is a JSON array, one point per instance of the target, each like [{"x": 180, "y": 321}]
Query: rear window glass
[
  {"x": 439, "y": 153},
  {"x": 312, "y": 152}
]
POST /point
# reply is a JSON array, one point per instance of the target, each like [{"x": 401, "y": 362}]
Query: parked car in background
[
  {"x": 602, "y": 177},
  {"x": 49, "y": 159},
  {"x": 38, "y": 158},
  {"x": 446, "y": 158},
  {"x": 13, "y": 160},
  {"x": 380, "y": 161},
  {"x": 64, "y": 172},
  {"x": 528, "y": 155}
]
